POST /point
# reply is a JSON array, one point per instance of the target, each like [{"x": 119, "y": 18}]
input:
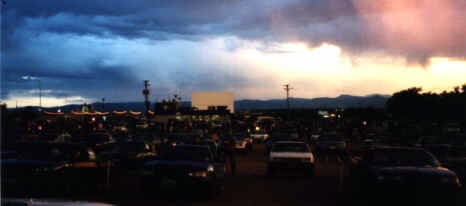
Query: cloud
[
  {"x": 415, "y": 30},
  {"x": 114, "y": 67},
  {"x": 92, "y": 49}
]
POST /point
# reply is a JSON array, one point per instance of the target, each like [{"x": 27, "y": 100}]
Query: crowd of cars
[
  {"x": 191, "y": 158},
  {"x": 196, "y": 160}
]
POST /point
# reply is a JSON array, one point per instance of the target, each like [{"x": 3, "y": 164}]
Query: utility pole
[{"x": 287, "y": 88}]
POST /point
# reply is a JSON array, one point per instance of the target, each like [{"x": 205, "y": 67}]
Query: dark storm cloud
[{"x": 354, "y": 25}]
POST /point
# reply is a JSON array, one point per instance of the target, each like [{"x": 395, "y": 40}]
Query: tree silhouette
[{"x": 415, "y": 105}]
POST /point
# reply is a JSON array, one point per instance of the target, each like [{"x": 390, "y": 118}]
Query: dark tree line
[{"x": 414, "y": 104}]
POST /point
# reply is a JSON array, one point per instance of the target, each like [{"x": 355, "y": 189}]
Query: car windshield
[
  {"x": 289, "y": 147},
  {"x": 187, "y": 153},
  {"x": 402, "y": 158}
]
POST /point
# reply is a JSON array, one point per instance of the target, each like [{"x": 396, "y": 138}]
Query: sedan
[
  {"x": 184, "y": 167},
  {"x": 410, "y": 175},
  {"x": 286, "y": 155}
]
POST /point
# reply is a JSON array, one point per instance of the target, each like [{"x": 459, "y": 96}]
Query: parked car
[
  {"x": 410, "y": 175},
  {"x": 52, "y": 166},
  {"x": 330, "y": 143},
  {"x": 127, "y": 154},
  {"x": 291, "y": 155},
  {"x": 259, "y": 136},
  {"x": 191, "y": 167}
]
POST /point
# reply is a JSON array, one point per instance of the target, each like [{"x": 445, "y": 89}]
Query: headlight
[
  {"x": 450, "y": 180},
  {"x": 198, "y": 174},
  {"x": 210, "y": 168}
]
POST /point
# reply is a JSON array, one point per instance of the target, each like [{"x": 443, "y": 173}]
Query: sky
[{"x": 82, "y": 51}]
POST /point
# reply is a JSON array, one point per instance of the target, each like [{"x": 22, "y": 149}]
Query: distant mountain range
[{"x": 342, "y": 101}]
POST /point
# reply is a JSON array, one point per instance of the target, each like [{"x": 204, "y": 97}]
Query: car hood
[
  {"x": 410, "y": 170},
  {"x": 181, "y": 163}
]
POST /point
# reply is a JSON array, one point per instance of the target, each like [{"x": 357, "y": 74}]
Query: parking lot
[{"x": 250, "y": 186}]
